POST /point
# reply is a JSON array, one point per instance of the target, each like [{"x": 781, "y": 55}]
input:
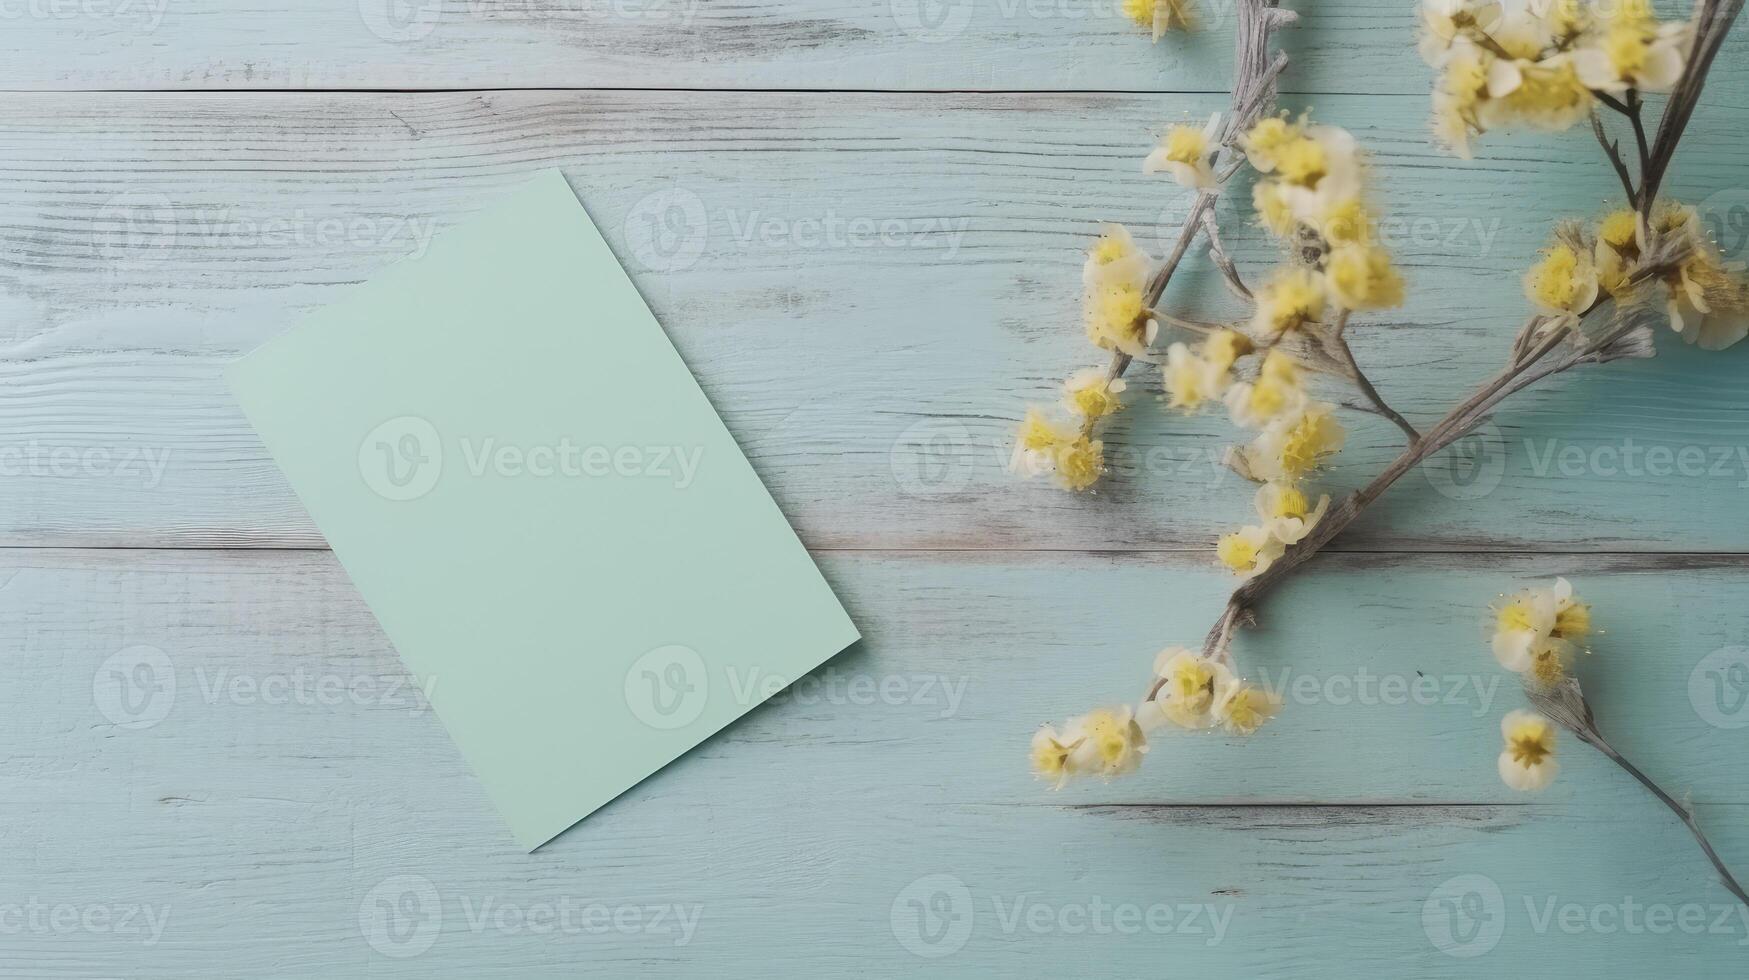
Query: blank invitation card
[{"x": 547, "y": 517}]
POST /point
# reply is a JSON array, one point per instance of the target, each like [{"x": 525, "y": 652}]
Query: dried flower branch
[{"x": 1599, "y": 290}]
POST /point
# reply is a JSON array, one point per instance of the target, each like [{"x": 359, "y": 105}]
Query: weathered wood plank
[
  {"x": 335, "y": 831},
  {"x": 150, "y": 239},
  {"x": 1342, "y": 45}
]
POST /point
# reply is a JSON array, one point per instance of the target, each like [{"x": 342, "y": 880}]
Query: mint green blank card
[{"x": 545, "y": 514}]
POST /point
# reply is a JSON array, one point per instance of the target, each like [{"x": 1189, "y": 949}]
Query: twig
[
  {"x": 1612, "y": 150},
  {"x": 1365, "y": 384},
  {"x": 1565, "y": 703},
  {"x": 1223, "y": 261}
]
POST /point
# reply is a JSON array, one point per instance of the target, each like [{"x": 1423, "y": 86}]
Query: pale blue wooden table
[{"x": 881, "y": 209}]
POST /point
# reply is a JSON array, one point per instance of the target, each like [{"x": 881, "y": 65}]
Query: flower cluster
[
  {"x": 1193, "y": 692},
  {"x": 1541, "y": 64},
  {"x": 1104, "y": 742},
  {"x": 1538, "y": 631},
  {"x": 1706, "y": 299}
]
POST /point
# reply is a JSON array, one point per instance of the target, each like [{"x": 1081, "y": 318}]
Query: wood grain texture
[
  {"x": 287, "y": 784},
  {"x": 870, "y": 287},
  {"x": 1341, "y": 46}
]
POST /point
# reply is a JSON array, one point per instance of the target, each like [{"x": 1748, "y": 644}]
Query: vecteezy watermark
[
  {"x": 134, "y": 224},
  {"x": 1449, "y": 236},
  {"x": 402, "y": 21},
  {"x": 135, "y": 465},
  {"x": 667, "y": 230},
  {"x": 669, "y": 687},
  {"x": 1473, "y": 466},
  {"x": 935, "y": 21},
  {"x": 403, "y": 916},
  {"x": 136, "y": 688},
  {"x": 938, "y": 457},
  {"x": 1724, "y": 217},
  {"x": 1718, "y": 687},
  {"x": 1367, "y": 689},
  {"x": 936, "y": 915},
  {"x": 36, "y": 917},
  {"x": 139, "y": 16},
  {"x": 402, "y": 459},
  {"x": 1467, "y": 916}
]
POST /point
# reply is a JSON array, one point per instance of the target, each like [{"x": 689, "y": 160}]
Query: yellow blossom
[
  {"x": 1248, "y": 551},
  {"x": 1632, "y": 50},
  {"x": 1242, "y": 709},
  {"x": 1291, "y": 298},
  {"x": 1091, "y": 394},
  {"x": 1276, "y": 392},
  {"x": 1192, "y": 380},
  {"x": 1361, "y": 277},
  {"x": 1267, "y": 139},
  {"x": 1079, "y": 462},
  {"x": 1160, "y": 16},
  {"x": 1116, "y": 319},
  {"x": 1185, "y": 153},
  {"x": 1050, "y": 755},
  {"x": 1294, "y": 445},
  {"x": 1286, "y": 513},
  {"x": 1565, "y": 281},
  {"x": 1301, "y": 161},
  {"x": 1528, "y": 761},
  {"x": 1189, "y": 686},
  {"x": 1535, "y": 623},
  {"x": 1223, "y": 348},
  {"x": 1035, "y": 445},
  {"x": 1274, "y": 209},
  {"x": 1107, "y": 742}
]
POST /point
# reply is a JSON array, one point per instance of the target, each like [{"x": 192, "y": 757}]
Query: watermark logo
[
  {"x": 932, "y": 21},
  {"x": 667, "y": 687},
  {"x": 1724, "y": 218},
  {"x": 666, "y": 230},
  {"x": 401, "y": 459},
  {"x": 933, "y": 457},
  {"x": 932, "y": 916},
  {"x": 143, "y": 16},
  {"x": 400, "y": 21},
  {"x": 135, "y": 687},
  {"x": 1471, "y": 467},
  {"x": 133, "y": 225},
  {"x": 1718, "y": 687},
  {"x": 36, "y": 917},
  {"x": 1465, "y": 916},
  {"x": 402, "y": 916}
]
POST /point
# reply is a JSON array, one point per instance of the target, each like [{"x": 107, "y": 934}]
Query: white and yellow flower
[
  {"x": 1632, "y": 49},
  {"x": 1362, "y": 277},
  {"x": 1293, "y": 297},
  {"x": 1564, "y": 282},
  {"x": 1296, "y": 444},
  {"x": 1191, "y": 685},
  {"x": 1092, "y": 393},
  {"x": 1035, "y": 445},
  {"x": 1444, "y": 22},
  {"x": 1051, "y": 751},
  {"x": 1708, "y": 301},
  {"x": 1286, "y": 513},
  {"x": 1277, "y": 392},
  {"x": 1079, "y": 462},
  {"x": 1105, "y": 742},
  {"x": 1249, "y": 551},
  {"x": 1536, "y": 629},
  {"x": 1114, "y": 279},
  {"x": 1528, "y": 761},
  {"x": 1241, "y": 708},
  {"x": 1192, "y": 380},
  {"x": 1187, "y": 153}
]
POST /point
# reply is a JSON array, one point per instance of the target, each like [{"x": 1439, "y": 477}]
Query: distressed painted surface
[
  {"x": 281, "y": 777},
  {"x": 295, "y": 812},
  {"x": 1005, "y": 45},
  {"x": 158, "y": 236}
]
